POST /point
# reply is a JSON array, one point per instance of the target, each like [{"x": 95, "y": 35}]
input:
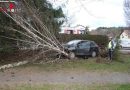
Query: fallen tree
[{"x": 35, "y": 33}]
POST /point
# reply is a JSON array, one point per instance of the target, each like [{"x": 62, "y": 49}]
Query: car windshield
[{"x": 73, "y": 42}]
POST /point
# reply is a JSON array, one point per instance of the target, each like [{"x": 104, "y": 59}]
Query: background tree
[
  {"x": 127, "y": 11},
  {"x": 87, "y": 30},
  {"x": 113, "y": 31},
  {"x": 52, "y": 18},
  {"x": 6, "y": 44}
]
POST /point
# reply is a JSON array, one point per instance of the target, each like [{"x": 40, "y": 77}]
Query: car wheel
[
  {"x": 94, "y": 54},
  {"x": 72, "y": 55}
]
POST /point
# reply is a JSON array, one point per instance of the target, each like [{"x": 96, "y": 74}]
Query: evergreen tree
[{"x": 50, "y": 17}]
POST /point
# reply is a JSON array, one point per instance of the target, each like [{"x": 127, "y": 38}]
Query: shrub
[
  {"x": 101, "y": 40},
  {"x": 8, "y": 49},
  {"x": 116, "y": 53}
]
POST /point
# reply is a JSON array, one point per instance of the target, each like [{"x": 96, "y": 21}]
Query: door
[{"x": 83, "y": 48}]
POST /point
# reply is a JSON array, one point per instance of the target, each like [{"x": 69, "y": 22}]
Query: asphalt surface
[
  {"x": 26, "y": 76},
  {"x": 125, "y": 50}
]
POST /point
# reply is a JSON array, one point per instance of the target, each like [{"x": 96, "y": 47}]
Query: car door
[
  {"x": 93, "y": 47},
  {"x": 83, "y": 48}
]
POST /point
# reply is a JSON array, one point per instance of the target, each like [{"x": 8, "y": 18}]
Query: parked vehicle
[
  {"x": 81, "y": 48},
  {"x": 124, "y": 43}
]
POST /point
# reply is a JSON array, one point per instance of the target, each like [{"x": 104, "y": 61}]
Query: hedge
[
  {"x": 63, "y": 38},
  {"x": 99, "y": 39}
]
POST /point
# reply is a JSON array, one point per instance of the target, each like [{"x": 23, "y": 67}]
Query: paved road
[
  {"x": 23, "y": 76},
  {"x": 125, "y": 50}
]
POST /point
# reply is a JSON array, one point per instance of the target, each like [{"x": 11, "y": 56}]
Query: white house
[
  {"x": 125, "y": 39},
  {"x": 79, "y": 29},
  {"x": 125, "y": 34}
]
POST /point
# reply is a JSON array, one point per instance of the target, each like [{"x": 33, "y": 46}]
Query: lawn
[
  {"x": 90, "y": 65},
  {"x": 122, "y": 65},
  {"x": 68, "y": 87}
]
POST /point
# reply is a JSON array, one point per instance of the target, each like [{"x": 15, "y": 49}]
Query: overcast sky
[{"x": 94, "y": 13}]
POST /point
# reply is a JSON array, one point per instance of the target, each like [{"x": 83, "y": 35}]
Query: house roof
[{"x": 78, "y": 27}]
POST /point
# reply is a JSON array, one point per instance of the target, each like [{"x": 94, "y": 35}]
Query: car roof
[{"x": 75, "y": 41}]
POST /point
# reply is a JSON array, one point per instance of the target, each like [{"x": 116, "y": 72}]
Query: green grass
[
  {"x": 122, "y": 65},
  {"x": 68, "y": 87}
]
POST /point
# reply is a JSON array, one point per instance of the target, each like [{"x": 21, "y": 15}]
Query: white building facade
[{"x": 73, "y": 30}]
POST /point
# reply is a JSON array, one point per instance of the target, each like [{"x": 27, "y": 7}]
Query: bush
[
  {"x": 101, "y": 40},
  {"x": 8, "y": 49},
  {"x": 116, "y": 53}
]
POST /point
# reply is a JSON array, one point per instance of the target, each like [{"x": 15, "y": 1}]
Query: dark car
[{"x": 81, "y": 48}]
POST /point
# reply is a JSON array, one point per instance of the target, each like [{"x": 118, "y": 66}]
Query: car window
[
  {"x": 73, "y": 42},
  {"x": 93, "y": 44},
  {"x": 84, "y": 45}
]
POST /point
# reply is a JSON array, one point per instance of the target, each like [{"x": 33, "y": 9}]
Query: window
[
  {"x": 84, "y": 45},
  {"x": 82, "y": 32},
  {"x": 70, "y": 32},
  {"x": 93, "y": 44}
]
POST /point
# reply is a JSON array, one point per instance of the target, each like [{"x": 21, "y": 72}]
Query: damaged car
[{"x": 82, "y": 48}]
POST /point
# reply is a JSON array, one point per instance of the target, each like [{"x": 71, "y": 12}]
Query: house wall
[
  {"x": 124, "y": 35},
  {"x": 74, "y": 31}
]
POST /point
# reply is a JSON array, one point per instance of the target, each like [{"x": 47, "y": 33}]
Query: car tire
[
  {"x": 72, "y": 55},
  {"x": 94, "y": 54}
]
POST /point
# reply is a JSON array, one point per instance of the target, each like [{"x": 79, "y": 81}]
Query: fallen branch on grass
[{"x": 13, "y": 65}]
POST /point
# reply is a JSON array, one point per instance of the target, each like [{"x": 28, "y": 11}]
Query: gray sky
[{"x": 93, "y": 13}]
